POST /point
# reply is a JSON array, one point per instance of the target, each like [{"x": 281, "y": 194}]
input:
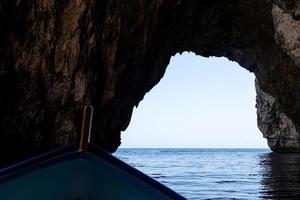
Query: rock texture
[
  {"x": 287, "y": 33},
  {"x": 291, "y": 7},
  {"x": 56, "y": 56},
  {"x": 277, "y": 128}
]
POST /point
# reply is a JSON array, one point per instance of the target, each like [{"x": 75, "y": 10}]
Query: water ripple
[{"x": 220, "y": 173}]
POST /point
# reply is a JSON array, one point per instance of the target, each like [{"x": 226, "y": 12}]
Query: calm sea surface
[{"x": 220, "y": 173}]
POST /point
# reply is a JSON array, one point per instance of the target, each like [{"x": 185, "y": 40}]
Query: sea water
[{"x": 220, "y": 173}]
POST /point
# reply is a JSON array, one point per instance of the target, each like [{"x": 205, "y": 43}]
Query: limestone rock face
[
  {"x": 277, "y": 128},
  {"x": 287, "y": 33},
  {"x": 291, "y": 7},
  {"x": 56, "y": 56}
]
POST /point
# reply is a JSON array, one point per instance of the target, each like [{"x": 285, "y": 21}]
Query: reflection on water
[
  {"x": 220, "y": 173},
  {"x": 280, "y": 176}
]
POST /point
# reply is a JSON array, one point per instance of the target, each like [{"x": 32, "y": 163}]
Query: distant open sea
[{"x": 220, "y": 173}]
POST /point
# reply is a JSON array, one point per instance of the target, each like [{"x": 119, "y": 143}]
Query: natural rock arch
[
  {"x": 198, "y": 100},
  {"x": 56, "y": 56}
]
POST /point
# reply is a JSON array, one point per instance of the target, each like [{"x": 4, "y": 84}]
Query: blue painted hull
[{"x": 79, "y": 175}]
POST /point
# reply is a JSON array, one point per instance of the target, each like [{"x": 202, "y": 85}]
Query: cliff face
[
  {"x": 292, "y": 7},
  {"x": 56, "y": 56},
  {"x": 277, "y": 128}
]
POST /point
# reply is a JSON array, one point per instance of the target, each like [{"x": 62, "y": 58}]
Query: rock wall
[
  {"x": 292, "y": 7},
  {"x": 56, "y": 56},
  {"x": 277, "y": 128}
]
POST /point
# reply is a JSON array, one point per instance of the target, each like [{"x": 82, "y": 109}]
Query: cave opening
[{"x": 199, "y": 103}]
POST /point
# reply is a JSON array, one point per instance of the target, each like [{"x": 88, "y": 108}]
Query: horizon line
[{"x": 194, "y": 148}]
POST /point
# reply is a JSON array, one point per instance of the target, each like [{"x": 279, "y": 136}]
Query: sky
[{"x": 199, "y": 103}]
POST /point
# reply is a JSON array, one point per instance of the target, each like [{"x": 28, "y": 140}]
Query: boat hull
[{"x": 80, "y": 175}]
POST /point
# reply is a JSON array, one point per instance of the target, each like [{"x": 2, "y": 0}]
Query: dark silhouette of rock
[{"x": 56, "y": 56}]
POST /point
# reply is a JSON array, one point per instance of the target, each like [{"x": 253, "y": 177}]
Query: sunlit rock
[{"x": 276, "y": 127}]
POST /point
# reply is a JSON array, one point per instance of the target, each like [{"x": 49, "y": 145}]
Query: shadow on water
[{"x": 280, "y": 176}]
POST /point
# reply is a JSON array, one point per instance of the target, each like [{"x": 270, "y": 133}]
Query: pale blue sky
[{"x": 199, "y": 103}]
